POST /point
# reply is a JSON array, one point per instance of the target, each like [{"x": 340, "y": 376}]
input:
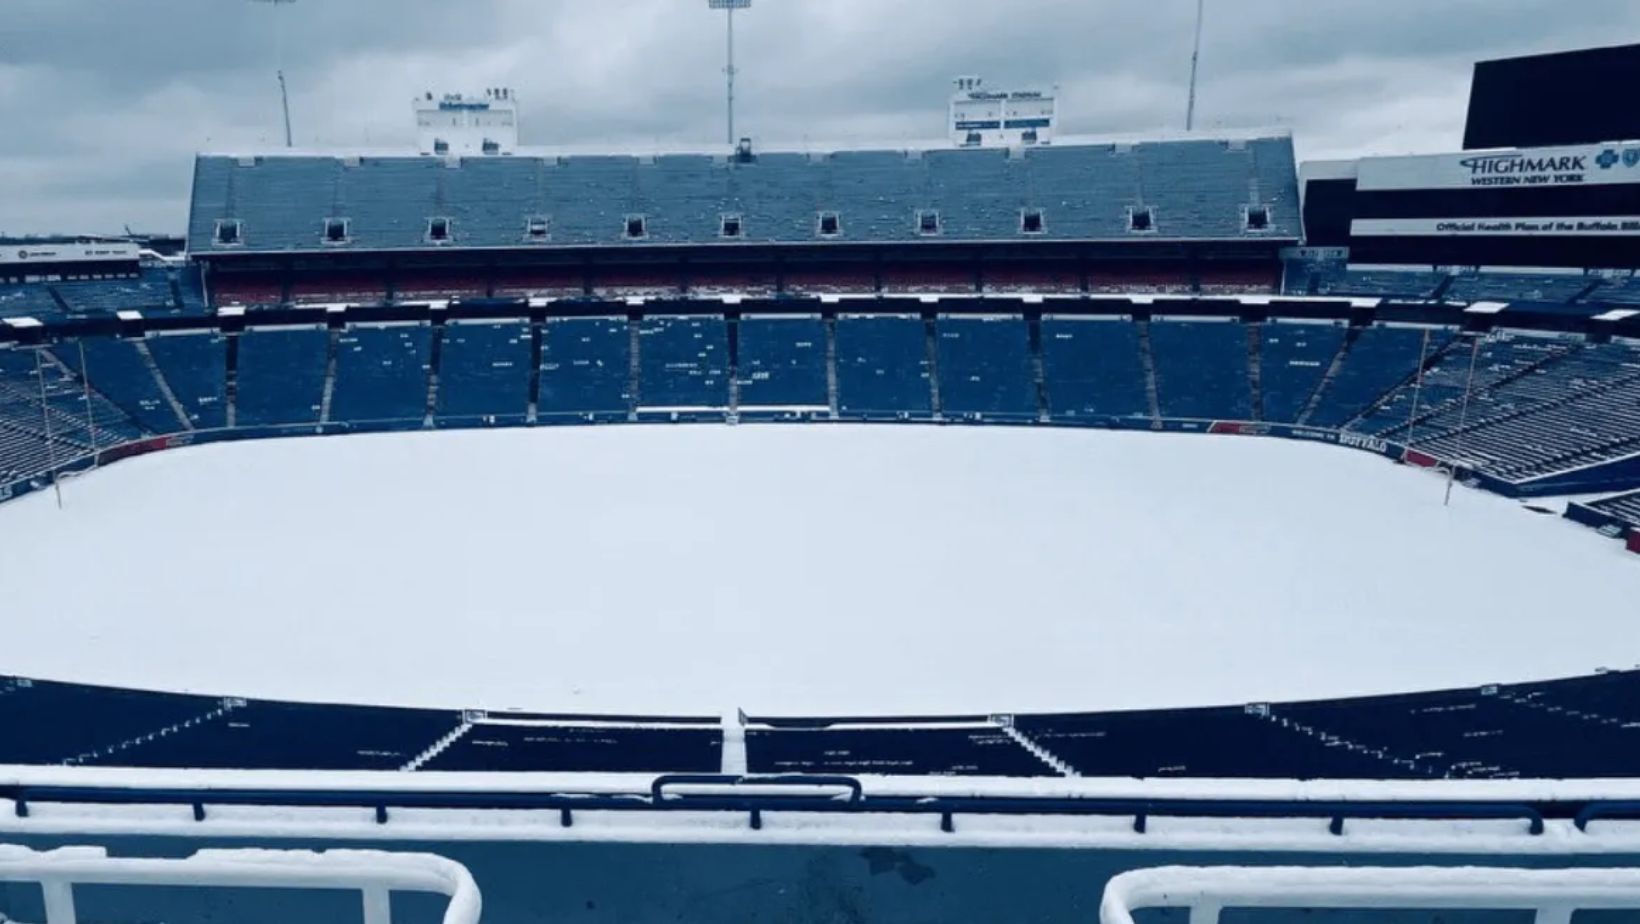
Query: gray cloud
[{"x": 114, "y": 96}]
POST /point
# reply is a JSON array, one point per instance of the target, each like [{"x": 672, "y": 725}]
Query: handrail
[
  {"x": 1600, "y": 811},
  {"x": 751, "y": 800},
  {"x": 1554, "y": 894},
  {"x": 373, "y": 873},
  {"x": 657, "y": 789}
]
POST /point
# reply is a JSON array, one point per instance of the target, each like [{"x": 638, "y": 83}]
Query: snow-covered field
[{"x": 797, "y": 570}]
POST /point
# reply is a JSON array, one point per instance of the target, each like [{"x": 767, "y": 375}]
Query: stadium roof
[{"x": 1198, "y": 189}]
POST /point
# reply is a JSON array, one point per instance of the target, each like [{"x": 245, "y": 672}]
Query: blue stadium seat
[
  {"x": 55, "y": 723},
  {"x": 586, "y": 369},
  {"x": 1216, "y": 743},
  {"x": 583, "y": 748},
  {"x": 484, "y": 373},
  {"x": 882, "y": 368},
  {"x": 985, "y": 369},
  {"x": 150, "y": 292},
  {"x": 1202, "y": 369},
  {"x": 381, "y": 373},
  {"x": 1376, "y": 361},
  {"x": 1093, "y": 369},
  {"x": 30, "y": 300},
  {"x": 195, "y": 366},
  {"x": 293, "y": 736},
  {"x": 683, "y": 366},
  {"x": 782, "y": 366},
  {"x": 1293, "y": 359},
  {"x": 281, "y": 376},
  {"x": 118, "y": 371},
  {"x": 973, "y": 751}
]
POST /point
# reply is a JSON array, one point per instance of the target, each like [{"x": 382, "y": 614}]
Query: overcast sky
[{"x": 105, "y": 101}]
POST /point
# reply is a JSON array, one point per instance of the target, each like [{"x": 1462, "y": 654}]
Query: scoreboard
[{"x": 1574, "y": 97}]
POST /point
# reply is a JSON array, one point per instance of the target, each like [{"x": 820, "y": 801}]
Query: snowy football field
[{"x": 823, "y": 570}]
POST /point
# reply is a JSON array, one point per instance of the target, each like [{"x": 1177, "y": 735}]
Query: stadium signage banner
[
  {"x": 25, "y": 253},
  {"x": 1603, "y": 226},
  {"x": 1591, "y": 165}
]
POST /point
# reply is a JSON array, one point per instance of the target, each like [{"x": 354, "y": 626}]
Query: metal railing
[
  {"x": 1551, "y": 894},
  {"x": 753, "y": 795},
  {"x": 374, "y": 874}
]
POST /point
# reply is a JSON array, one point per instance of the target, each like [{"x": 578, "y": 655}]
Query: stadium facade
[{"x": 1161, "y": 286}]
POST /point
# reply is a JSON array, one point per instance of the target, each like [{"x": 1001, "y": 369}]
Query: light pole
[
  {"x": 1195, "y": 63},
  {"x": 284, "y": 95},
  {"x": 729, "y": 70}
]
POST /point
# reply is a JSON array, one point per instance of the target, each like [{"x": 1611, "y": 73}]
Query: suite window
[
  {"x": 830, "y": 224},
  {"x": 1030, "y": 221},
  {"x": 438, "y": 230},
  {"x": 228, "y": 232},
  {"x": 637, "y": 228},
  {"x": 1141, "y": 219},
  {"x": 336, "y": 231}
]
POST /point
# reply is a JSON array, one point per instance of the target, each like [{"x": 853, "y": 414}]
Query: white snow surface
[{"x": 797, "y": 570}]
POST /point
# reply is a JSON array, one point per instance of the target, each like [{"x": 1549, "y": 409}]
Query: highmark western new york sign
[{"x": 1576, "y": 166}]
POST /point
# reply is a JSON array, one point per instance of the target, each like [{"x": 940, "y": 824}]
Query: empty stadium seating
[
  {"x": 1202, "y": 370},
  {"x": 484, "y": 373},
  {"x": 1220, "y": 743},
  {"x": 684, "y": 366},
  {"x": 196, "y": 367},
  {"x": 1293, "y": 360},
  {"x": 782, "y": 366},
  {"x": 1625, "y": 507},
  {"x": 1093, "y": 369},
  {"x": 975, "y": 751},
  {"x": 281, "y": 376},
  {"x": 985, "y": 369},
  {"x": 291, "y": 736},
  {"x": 1196, "y": 189},
  {"x": 1374, "y": 361},
  {"x": 1539, "y": 405},
  {"x": 1581, "y": 727},
  {"x": 607, "y": 748},
  {"x": 31, "y": 300},
  {"x": 118, "y": 370},
  {"x": 586, "y": 369},
  {"x": 55, "y": 723},
  {"x": 381, "y": 373},
  {"x": 882, "y": 368}
]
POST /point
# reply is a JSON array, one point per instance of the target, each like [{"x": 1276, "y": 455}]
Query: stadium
[{"x": 990, "y": 531}]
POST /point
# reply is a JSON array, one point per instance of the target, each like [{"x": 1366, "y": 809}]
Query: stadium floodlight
[
  {"x": 729, "y": 70},
  {"x": 284, "y": 95}
]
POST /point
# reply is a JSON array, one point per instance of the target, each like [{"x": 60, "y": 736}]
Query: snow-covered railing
[
  {"x": 755, "y": 794},
  {"x": 1553, "y": 894},
  {"x": 375, "y": 874}
]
